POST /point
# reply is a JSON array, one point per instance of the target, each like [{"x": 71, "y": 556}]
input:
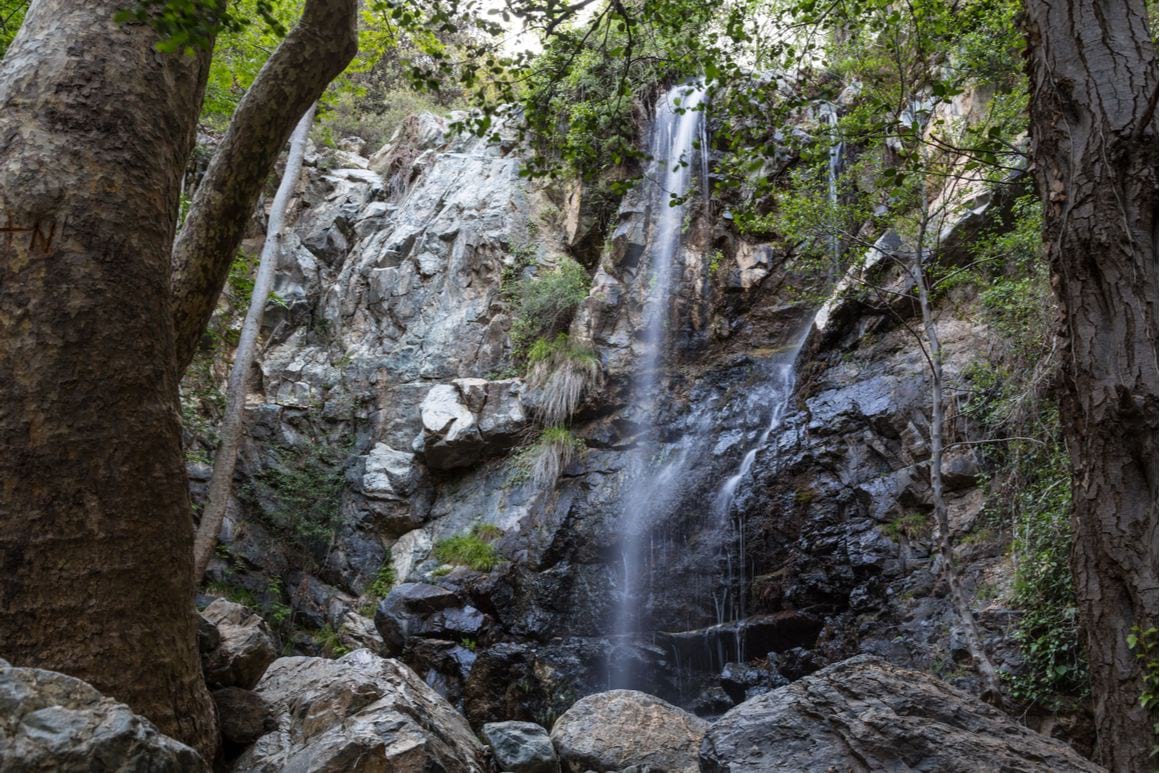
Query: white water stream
[{"x": 675, "y": 133}]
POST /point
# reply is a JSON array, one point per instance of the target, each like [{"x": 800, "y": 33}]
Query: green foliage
[
  {"x": 554, "y": 450},
  {"x": 473, "y": 550},
  {"x": 276, "y": 611},
  {"x": 716, "y": 260},
  {"x": 1009, "y": 396},
  {"x": 1015, "y": 286},
  {"x": 351, "y": 113},
  {"x": 11, "y": 17},
  {"x": 240, "y": 51},
  {"x": 545, "y": 305},
  {"x": 559, "y": 348},
  {"x": 912, "y": 526},
  {"x": 1143, "y": 643},
  {"x": 189, "y": 25},
  {"x": 900, "y": 145},
  {"x": 300, "y": 494},
  {"x": 1047, "y": 631},
  {"x": 328, "y": 640},
  {"x": 562, "y": 370},
  {"x": 383, "y": 582},
  {"x": 234, "y": 593}
]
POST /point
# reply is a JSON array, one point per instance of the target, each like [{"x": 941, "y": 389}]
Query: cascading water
[
  {"x": 780, "y": 388},
  {"x": 829, "y": 112},
  {"x": 675, "y": 133}
]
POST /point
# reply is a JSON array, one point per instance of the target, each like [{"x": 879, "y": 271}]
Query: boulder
[
  {"x": 451, "y": 436},
  {"x": 357, "y": 714},
  {"x": 610, "y": 731},
  {"x": 245, "y": 646},
  {"x": 389, "y": 474},
  {"x": 243, "y": 716},
  {"x": 50, "y": 721},
  {"x": 521, "y": 747},
  {"x": 468, "y": 418},
  {"x": 742, "y": 681},
  {"x": 417, "y": 609},
  {"x": 502, "y": 418},
  {"x": 865, "y": 714}
]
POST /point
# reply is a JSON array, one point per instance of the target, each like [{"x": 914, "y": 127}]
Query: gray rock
[
  {"x": 389, "y": 474},
  {"x": 865, "y": 714},
  {"x": 451, "y": 436},
  {"x": 416, "y": 609},
  {"x": 622, "y": 728},
  {"x": 742, "y": 681},
  {"x": 521, "y": 747},
  {"x": 358, "y": 714},
  {"x": 53, "y": 722},
  {"x": 243, "y": 716},
  {"x": 502, "y": 419},
  {"x": 244, "y": 649}
]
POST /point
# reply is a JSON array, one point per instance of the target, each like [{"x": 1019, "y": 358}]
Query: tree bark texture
[
  {"x": 312, "y": 55},
  {"x": 221, "y": 483},
  {"x": 1093, "y": 74},
  {"x": 95, "y": 523}
]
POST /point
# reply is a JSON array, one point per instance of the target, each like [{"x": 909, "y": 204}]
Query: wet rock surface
[
  {"x": 422, "y": 610},
  {"x": 865, "y": 714},
  {"x": 50, "y": 721},
  {"x": 358, "y": 713},
  {"x": 612, "y": 731}
]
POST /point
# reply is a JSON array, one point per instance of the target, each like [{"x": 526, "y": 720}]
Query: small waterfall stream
[
  {"x": 829, "y": 112},
  {"x": 675, "y": 133},
  {"x": 780, "y": 389}
]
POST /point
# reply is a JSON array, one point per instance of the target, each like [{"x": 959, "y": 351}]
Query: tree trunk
[
  {"x": 318, "y": 48},
  {"x": 1092, "y": 65},
  {"x": 221, "y": 483},
  {"x": 95, "y": 522},
  {"x": 930, "y": 226}
]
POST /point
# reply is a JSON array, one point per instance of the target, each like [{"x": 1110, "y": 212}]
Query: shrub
[
  {"x": 544, "y": 306},
  {"x": 1048, "y": 629},
  {"x": 913, "y": 526},
  {"x": 1143, "y": 643},
  {"x": 329, "y": 642},
  {"x": 555, "y": 450},
  {"x": 383, "y": 582},
  {"x": 473, "y": 550},
  {"x": 349, "y": 115},
  {"x": 563, "y": 371}
]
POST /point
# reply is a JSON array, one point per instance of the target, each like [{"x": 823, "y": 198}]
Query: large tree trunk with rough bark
[
  {"x": 318, "y": 48},
  {"x": 95, "y": 522},
  {"x": 221, "y": 484},
  {"x": 1093, "y": 124}
]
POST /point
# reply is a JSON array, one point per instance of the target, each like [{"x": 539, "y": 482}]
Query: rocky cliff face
[{"x": 389, "y": 417}]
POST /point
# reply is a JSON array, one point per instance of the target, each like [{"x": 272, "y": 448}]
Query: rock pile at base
[
  {"x": 53, "y": 722},
  {"x": 624, "y": 728},
  {"x": 357, "y": 714},
  {"x": 866, "y": 714}
]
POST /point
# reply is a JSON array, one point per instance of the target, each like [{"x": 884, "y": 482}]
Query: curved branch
[{"x": 313, "y": 53}]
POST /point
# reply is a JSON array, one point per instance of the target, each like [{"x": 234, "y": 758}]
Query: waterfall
[
  {"x": 675, "y": 132},
  {"x": 780, "y": 386},
  {"x": 829, "y": 112}
]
